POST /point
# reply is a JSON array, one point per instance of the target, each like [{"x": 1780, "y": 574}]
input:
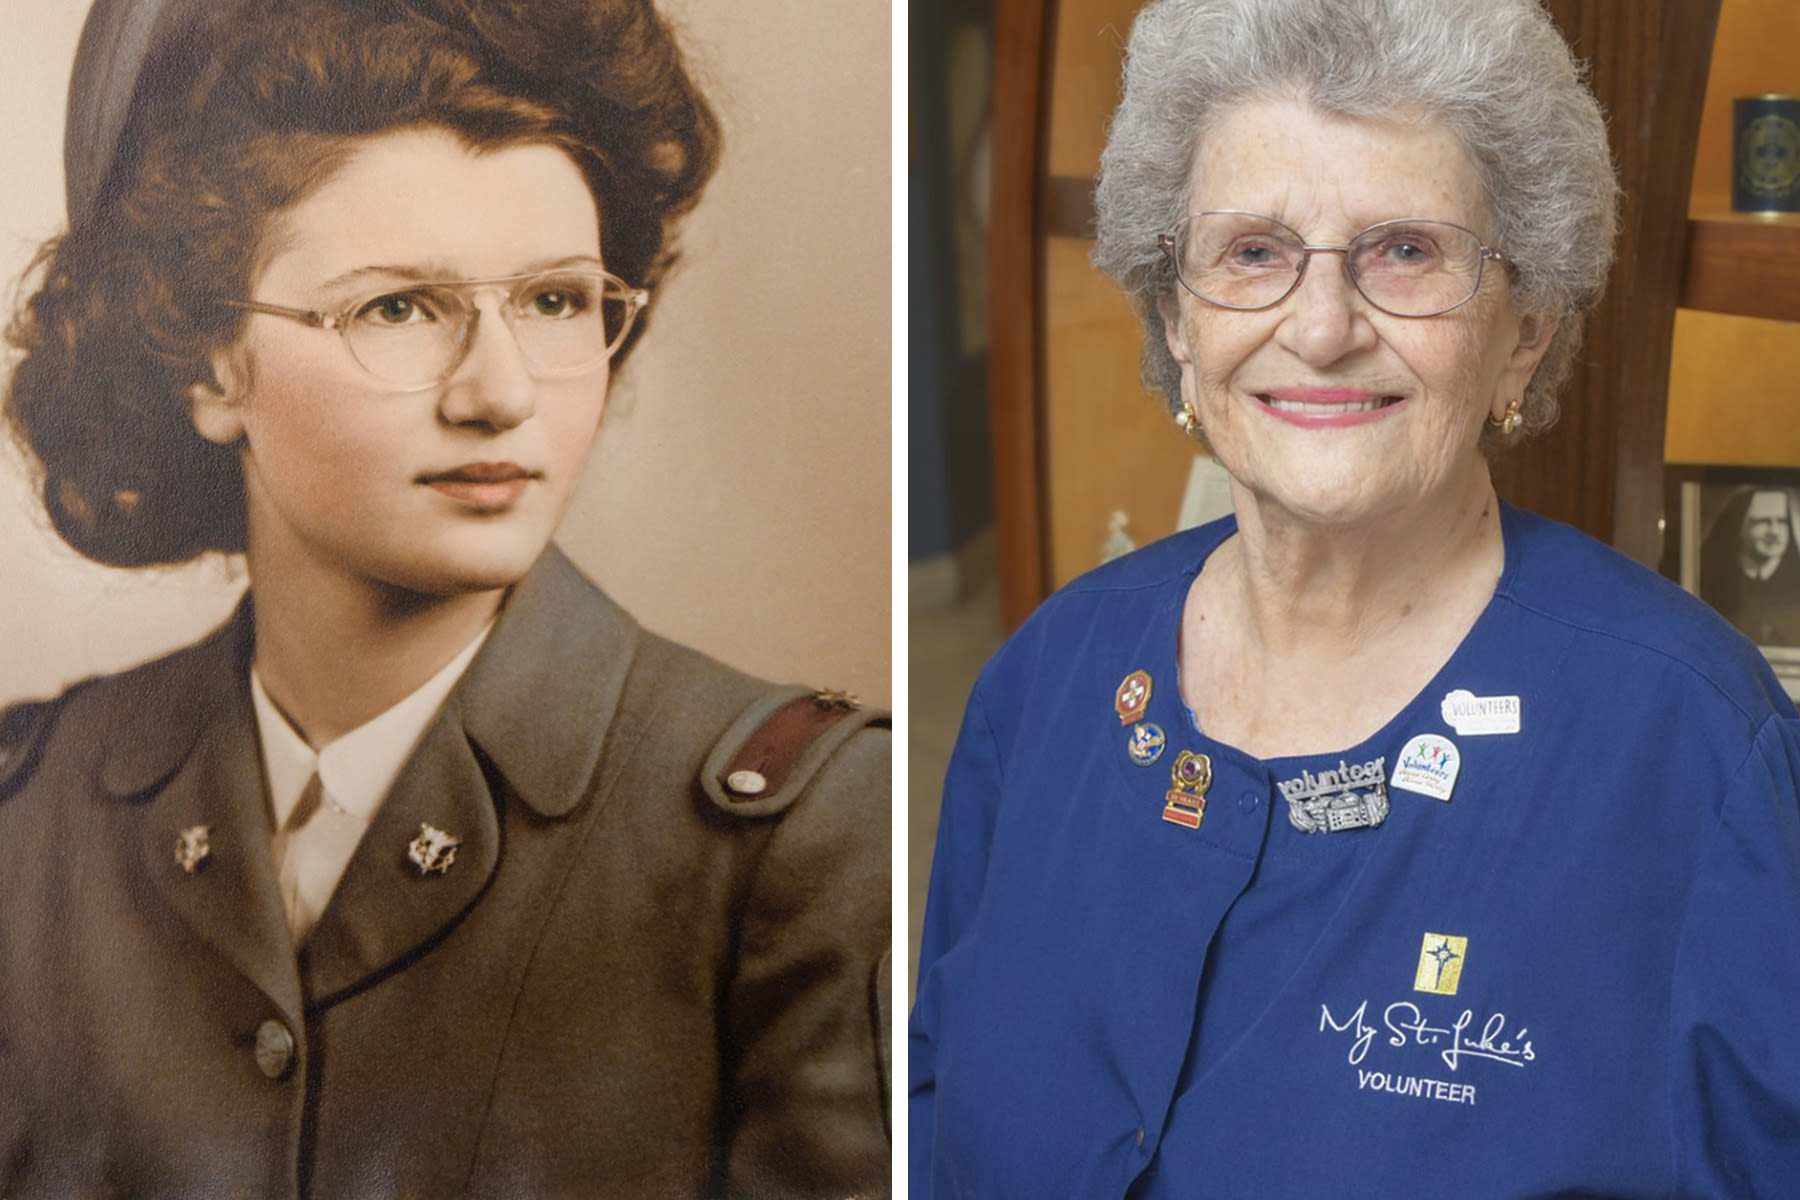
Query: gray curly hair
[{"x": 1495, "y": 73}]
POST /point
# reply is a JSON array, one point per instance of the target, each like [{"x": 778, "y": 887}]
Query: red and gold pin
[
  {"x": 1133, "y": 697},
  {"x": 1190, "y": 775}
]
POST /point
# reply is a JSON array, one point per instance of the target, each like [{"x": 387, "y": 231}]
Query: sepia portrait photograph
[
  {"x": 1735, "y": 542},
  {"x": 445, "y": 649}
]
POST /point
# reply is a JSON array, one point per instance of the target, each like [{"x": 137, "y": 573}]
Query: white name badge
[
  {"x": 1428, "y": 766},
  {"x": 1473, "y": 716}
]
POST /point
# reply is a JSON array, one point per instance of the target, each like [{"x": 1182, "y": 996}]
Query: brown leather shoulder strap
[{"x": 773, "y": 748}]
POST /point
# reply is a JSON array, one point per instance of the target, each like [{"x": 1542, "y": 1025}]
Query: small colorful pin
[
  {"x": 1180, "y": 808},
  {"x": 1428, "y": 765},
  {"x": 1190, "y": 775},
  {"x": 1133, "y": 697},
  {"x": 433, "y": 850},
  {"x": 192, "y": 846},
  {"x": 1145, "y": 745}
]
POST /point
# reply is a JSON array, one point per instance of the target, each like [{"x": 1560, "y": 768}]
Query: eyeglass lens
[
  {"x": 1407, "y": 268},
  {"x": 564, "y": 322}
]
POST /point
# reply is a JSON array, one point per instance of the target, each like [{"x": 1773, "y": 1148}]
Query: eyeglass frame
[
  {"x": 636, "y": 299},
  {"x": 1167, "y": 243}
]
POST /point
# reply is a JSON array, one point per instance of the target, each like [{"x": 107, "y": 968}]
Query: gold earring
[
  {"x": 1187, "y": 421},
  {"x": 1509, "y": 424}
]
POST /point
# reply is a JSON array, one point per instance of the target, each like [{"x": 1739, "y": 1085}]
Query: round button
[
  {"x": 274, "y": 1049},
  {"x": 1248, "y": 802},
  {"x": 746, "y": 783}
]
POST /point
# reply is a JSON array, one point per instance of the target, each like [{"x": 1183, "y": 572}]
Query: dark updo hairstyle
[{"x": 246, "y": 115}]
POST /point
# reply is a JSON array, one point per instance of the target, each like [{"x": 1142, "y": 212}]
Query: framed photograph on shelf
[{"x": 1732, "y": 537}]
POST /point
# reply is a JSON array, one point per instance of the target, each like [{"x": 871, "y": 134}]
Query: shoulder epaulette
[
  {"x": 772, "y": 750},
  {"x": 21, "y": 729}
]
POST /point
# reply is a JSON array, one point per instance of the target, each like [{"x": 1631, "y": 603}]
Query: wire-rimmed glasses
[
  {"x": 566, "y": 321},
  {"x": 1408, "y": 267}
]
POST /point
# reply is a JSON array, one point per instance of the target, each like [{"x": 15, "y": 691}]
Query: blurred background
[{"x": 953, "y": 593}]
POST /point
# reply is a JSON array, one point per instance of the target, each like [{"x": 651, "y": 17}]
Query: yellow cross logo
[{"x": 1441, "y": 961}]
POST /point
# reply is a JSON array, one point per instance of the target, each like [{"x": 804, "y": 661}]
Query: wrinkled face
[
  {"x": 452, "y": 489},
  {"x": 1324, "y": 406},
  {"x": 1765, "y": 531}
]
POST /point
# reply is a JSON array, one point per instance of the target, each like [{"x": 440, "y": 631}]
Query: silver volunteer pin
[
  {"x": 1145, "y": 745},
  {"x": 192, "y": 845},
  {"x": 433, "y": 850},
  {"x": 1350, "y": 796}
]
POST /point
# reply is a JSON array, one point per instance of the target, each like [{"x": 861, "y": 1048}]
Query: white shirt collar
[{"x": 358, "y": 768}]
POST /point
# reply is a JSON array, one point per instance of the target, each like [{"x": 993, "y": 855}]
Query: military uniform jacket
[
  {"x": 625, "y": 985},
  {"x": 1565, "y": 962}
]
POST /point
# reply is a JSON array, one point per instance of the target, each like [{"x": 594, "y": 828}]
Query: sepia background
[{"x": 738, "y": 499}]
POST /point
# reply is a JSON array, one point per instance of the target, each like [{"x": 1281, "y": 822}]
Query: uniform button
[
  {"x": 1140, "y": 1137},
  {"x": 1248, "y": 802},
  {"x": 747, "y": 783},
  {"x": 274, "y": 1049}
]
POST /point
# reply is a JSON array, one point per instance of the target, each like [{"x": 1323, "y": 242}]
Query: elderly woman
[
  {"x": 1384, "y": 840},
  {"x": 432, "y": 873}
]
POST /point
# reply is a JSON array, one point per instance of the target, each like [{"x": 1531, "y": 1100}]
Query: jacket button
[
  {"x": 747, "y": 784},
  {"x": 274, "y": 1049}
]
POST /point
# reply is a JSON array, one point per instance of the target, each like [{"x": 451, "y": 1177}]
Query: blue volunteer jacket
[{"x": 1566, "y": 961}]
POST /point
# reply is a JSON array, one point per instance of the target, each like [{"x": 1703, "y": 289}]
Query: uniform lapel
[
  {"x": 529, "y": 718},
  {"x": 543, "y": 696},
  {"x": 183, "y": 754}
]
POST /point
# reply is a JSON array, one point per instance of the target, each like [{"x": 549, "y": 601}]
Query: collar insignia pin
[
  {"x": 433, "y": 850},
  {"x": 192, "y": 846},
  {"x": 1190, "y": 776},
  {"x": 1145, "y": 745},
  {"x": 1133, "y": 697}
]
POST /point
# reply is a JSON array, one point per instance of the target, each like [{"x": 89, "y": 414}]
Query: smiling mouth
[{"x": 1332, "y": 408}]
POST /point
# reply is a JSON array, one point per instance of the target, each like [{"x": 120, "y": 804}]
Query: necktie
[{"x": 312, "y": 848}]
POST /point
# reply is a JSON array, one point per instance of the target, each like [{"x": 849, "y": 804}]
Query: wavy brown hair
[{"x": 241, "y": 119}]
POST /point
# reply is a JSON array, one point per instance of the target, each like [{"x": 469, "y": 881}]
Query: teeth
[{"x": 1328, "y": 410}]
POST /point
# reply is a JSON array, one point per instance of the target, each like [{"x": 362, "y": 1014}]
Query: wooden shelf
[{"x": 1744, "y": 264}]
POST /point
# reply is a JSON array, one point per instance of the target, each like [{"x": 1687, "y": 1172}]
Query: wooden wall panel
[
  {"x": 1109, "y": 442},
  {"x": 1601, "y": 468},
  {"x": 1734, "y": 397},
  {"x": 1090, "y": 45},
  {"x": 1015, "y": 292},
  {"x": 1734, "y": 383}
]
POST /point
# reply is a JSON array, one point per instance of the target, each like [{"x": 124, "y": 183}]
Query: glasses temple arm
[{"x": 305, "y": 316}]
